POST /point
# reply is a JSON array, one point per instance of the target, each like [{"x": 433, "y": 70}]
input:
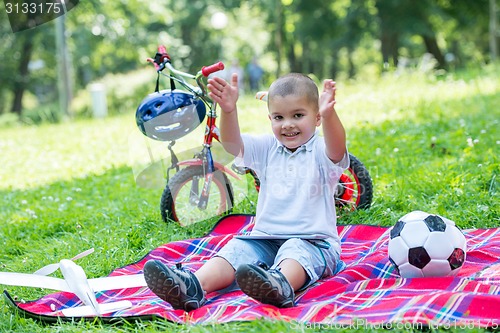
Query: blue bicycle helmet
[{"x": 169, "y": 115}]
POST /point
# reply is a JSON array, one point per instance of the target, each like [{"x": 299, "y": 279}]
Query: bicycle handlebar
[
  {"x": 174, "y": 71},
  {"x": 207, "y": 70},
  {"x": 162, "y": 60}
]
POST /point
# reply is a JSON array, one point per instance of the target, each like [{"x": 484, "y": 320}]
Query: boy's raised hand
[
  {"x": 333, "y": 130},
  {"x": 223, "y": 93},
  {"x": 327, "y": 99}
]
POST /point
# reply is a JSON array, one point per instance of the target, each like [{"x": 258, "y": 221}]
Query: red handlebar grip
[{"x": 207, "y": 70}]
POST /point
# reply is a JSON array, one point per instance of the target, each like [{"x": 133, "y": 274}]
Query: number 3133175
[{"x": 33, "y": 8}]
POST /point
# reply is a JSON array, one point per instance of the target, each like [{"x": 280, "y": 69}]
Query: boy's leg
[
  {"x": 266, "y": 286},
  {"x": 274, "y": 286},
  {"x": 175, "y": 285},
  {"x": 215, "y": 274},
  {"x": 293, "y": 271},
  {"x": 183, "y": 289},
  {"x": 298, "y": 264},
  {"x": 186, "y": 290}
]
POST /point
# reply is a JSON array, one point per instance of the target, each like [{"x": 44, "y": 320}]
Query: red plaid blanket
[{"x": 367, "y": 293}]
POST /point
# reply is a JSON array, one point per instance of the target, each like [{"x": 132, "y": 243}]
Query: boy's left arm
[{"x": 333, "y": 130}]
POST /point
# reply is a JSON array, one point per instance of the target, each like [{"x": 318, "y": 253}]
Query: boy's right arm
[{"x": 226, "y": 95}]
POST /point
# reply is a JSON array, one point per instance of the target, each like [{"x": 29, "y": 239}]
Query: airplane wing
[
  {"x": 117, "y": 282},
  {"x": 48, "y": 282},
  {"x": 35, "y": 281}
]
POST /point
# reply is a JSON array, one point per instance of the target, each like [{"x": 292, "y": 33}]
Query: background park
[{"x": 418, "y": 92}]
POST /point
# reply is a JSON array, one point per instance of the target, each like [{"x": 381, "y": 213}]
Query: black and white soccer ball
[{"x": 424, "y": 245}]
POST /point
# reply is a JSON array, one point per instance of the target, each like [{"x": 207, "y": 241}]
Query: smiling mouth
[{"x": 291, "y": 135}]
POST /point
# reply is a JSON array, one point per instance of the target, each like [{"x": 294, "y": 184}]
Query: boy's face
[{"x": 293, "y": 119}]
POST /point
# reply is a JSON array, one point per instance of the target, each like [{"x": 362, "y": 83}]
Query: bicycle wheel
[
  {"x": 355, "y": 189},
  {"x": 180, "y": 198}
]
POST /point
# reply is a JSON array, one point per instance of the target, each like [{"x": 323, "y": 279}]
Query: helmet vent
[{"x": 163, "y": 128}]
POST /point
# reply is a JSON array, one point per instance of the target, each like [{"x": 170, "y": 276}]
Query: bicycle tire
[
  {"x": 171, "y": 205},
  {"x": 355, "y": 189}
]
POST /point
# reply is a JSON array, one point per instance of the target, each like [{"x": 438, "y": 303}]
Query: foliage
[
  {"x": 429, "y": 143},
  {"x": 327, "y": 38}
]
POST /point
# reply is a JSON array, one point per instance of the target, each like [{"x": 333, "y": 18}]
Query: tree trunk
[
  {"x": 389, "y": 47},
  {"x": 292, "y": 58},
  {"x": 279, "y": 35},
  {"x": 493, "y": 30},
  {"x": 334, "y": 69},
  {"x": 433, "y": 48},
  {"x": 351, "y": 67},
  {"x": 21, "y": 80}
]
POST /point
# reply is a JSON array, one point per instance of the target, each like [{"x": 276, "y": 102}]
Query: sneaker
[
  {"x": 177, "y": 286},
  {"x": 266, "y": 286}
]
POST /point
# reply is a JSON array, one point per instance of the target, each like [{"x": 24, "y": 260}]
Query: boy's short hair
[{"x": 295, "y": 84}]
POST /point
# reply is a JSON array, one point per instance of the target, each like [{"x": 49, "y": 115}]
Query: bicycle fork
[
  {"x": 209, "y": 166},
  {"x": 201, "y": 200}
]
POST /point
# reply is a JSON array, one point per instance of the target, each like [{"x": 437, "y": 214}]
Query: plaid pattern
[{"x": 368, "y": 292}]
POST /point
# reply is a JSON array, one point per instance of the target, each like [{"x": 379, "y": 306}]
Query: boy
[{"x": 295, "y": 231}]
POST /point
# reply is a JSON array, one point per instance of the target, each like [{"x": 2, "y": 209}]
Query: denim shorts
[{"x": 318, "y": 259}]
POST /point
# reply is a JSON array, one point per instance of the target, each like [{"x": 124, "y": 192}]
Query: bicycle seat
[{"x": 169, "y": 115}]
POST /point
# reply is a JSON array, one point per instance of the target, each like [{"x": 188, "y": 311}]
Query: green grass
[{"x": 429, "y": 144}]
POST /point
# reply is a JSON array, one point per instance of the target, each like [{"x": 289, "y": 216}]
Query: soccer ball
[{"x": 423, "y": 245}]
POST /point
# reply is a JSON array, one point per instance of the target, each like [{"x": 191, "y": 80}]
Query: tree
[
  {"x": 323, "y": 37},
  {"x": 468, "y": 37},
  {"x": 21, "y": 77},
  {"x": 7, "y": 62},
  {"x": 494, "y": 29},
  {"x": 462, "y": 25}
]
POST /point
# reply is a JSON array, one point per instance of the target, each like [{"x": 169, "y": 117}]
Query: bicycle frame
[{"x": 205, "y": 157}]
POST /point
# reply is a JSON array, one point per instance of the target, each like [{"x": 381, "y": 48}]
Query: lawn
[{"x": 429, "y": 143}]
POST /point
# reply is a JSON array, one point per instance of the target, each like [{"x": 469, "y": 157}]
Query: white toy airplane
[{"x": 75, "y": 281}]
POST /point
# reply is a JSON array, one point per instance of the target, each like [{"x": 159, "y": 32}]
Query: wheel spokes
[{"x": 187, "y": 199}]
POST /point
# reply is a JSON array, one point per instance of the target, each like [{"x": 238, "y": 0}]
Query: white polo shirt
[{"x": 296, "y": 193}]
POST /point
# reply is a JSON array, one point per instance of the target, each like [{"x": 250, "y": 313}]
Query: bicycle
[{"x": 200, "y": 189}]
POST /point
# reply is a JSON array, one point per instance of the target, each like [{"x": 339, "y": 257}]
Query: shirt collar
[{"x": 308, "y": 146}]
